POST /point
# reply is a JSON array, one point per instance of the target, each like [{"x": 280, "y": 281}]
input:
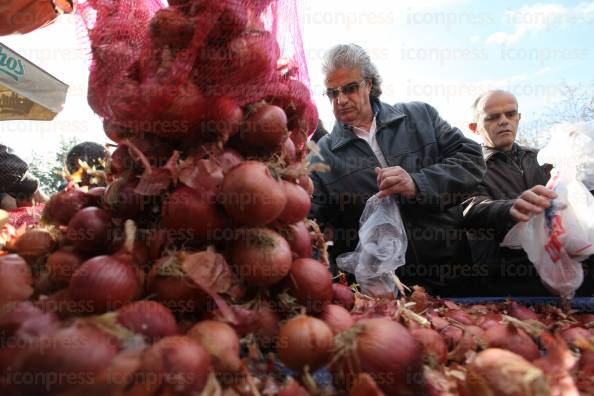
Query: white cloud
[
  {"x": 539, "y": 17},
  {"x": 475, "y": 39}
]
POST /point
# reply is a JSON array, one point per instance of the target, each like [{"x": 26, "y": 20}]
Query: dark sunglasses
[{"x": 347, "y": 89}]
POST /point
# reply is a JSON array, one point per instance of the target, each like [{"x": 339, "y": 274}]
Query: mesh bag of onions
[{"x": 185, "y": 70}]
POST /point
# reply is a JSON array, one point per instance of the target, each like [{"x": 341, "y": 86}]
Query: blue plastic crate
[{"x": 582, "y": 304}]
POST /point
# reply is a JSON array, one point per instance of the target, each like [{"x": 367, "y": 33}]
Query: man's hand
[
  {"x": 395, "y": 180},
  {"x": 532, "y": 201},
  {"x": 40, "y": 196}
]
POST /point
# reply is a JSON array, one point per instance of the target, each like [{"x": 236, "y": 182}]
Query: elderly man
[
  {"x": 406, "y": 151},
  {"x": 513, "y": 189}
]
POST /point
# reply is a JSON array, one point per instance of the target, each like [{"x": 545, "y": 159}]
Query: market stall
[{"x": 196, "y": 272}]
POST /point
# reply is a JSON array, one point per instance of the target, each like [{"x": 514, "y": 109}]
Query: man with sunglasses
[{"x": 406, "y": 151}]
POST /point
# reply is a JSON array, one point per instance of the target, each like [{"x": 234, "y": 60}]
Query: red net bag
[
  {"x": 190, "y": 69},
  {"x": 27, "y": 215}
]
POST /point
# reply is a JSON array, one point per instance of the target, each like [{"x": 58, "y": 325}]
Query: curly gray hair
[{"x": 352, "y": 56}]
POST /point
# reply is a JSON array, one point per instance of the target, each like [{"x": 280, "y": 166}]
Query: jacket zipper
[{"x": 404, "y": 221}]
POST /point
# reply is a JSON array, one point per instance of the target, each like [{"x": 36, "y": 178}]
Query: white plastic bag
[
  {"x": 557, "y": 240},
  {"x": 381, "y": 248}
]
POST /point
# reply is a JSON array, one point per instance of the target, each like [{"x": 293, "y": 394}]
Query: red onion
[
  {"x": 337, "y": 318},
  {"x": 105, "y": 282},
  {"x": 304, "y": 341},
  {"x": 34, "y": 244},
  {"x": 170, "y": 26},
  {"x": 311, "y": 282},
  {"x": 513, "y": 339},
  {"x": 174, "y": 365},
  {"x": 571, "y": 334},
  {"x": 75, "y": 352},
  {"x": 261, "y": 256},
  {"x": 61, "y": 264},
  {"x": 292, "y": 388},
  {"x": 251, "y": 195},
  {"x": 307, "y": 184},
  {"x": 149, "y": 318},
  {"x": 228, "y": 159},
  {"x": 434, "y": 347},
  {"x": 384, "y": 349},
  {"x": 64, "y": 204},
  {"x": 343, "y": 296},
  {"x": 365, "y": 385},
  {"x": 15, "y": 279},
  {"x": 499, "y": 372},
  {"x": 221, "y": 341},
  {"x": 298, "y": 203},
  {"x": 223, "y": 118},
  {"x": 89, "y": 230},
  {"x": 459, "y": 316},
  {"x": 521, "y": 312},
  {"x": 193, "y": 214},
  {"x": 299, "y": 240},
  {"x": 173, "y": 288}
]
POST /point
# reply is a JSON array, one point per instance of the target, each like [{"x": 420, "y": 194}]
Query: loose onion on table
[
  {"x": 496, "y": 371},
  {"x": 384, "y": 349},
  {"x": 433, "y": 345},
  {"x": 513, "y": 339}
]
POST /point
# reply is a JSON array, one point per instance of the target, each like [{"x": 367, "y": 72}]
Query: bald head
[
  {"x": 496, "y": 119},
  {"x": 479, "y": 102}
]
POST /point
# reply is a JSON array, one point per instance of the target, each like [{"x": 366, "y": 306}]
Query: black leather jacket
[{"x": 445, "y": 166}]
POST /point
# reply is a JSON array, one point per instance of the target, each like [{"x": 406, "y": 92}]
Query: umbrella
[{"x": 27, "y": 92}]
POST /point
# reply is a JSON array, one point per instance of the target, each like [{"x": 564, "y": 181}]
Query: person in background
[
  {"x": 512, "y": 190},
  {"x": 17, "y": 186},
  {"x": 85, "y": 163},
  {"x": 406, "y": 151}
]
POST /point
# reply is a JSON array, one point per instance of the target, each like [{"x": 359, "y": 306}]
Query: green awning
[{"x": 27, "y": 92}]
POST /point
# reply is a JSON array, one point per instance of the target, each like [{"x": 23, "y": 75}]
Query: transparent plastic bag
[
  {"x": 572, "y": 146},
  {"x": 381, "y": 248},
  {"x": 557, "y": 240}
]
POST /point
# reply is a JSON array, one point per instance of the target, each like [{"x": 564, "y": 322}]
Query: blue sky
[{"x": 444, "y": 52}]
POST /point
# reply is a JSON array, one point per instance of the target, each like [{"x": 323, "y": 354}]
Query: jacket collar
[
  {"x": 489, "y": 152},
  {"x": 343, "y": 134}
]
